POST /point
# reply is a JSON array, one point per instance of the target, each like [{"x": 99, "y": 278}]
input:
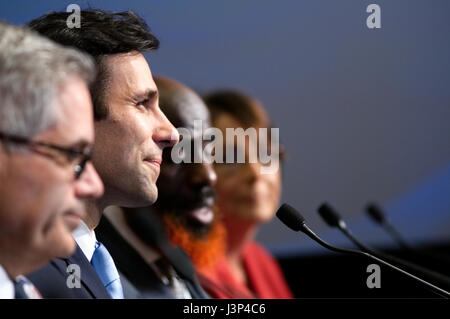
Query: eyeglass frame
[{"x": 70, "y": 152}]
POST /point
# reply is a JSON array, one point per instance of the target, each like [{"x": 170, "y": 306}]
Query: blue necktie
[
  {"x": 24, "y": 289},
  {"x": 107, "y": 271}
]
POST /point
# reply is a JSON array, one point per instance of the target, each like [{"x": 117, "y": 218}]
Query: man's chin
[
  {"x": 62, "y": 247},
  {"x": 138, "y": 197},
  {"x": 68, "y": 249},
  {"x": 151, "y": 194},
  {"x": 71, "y": 221}
]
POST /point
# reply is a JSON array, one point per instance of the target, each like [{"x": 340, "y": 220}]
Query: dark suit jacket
[
  {"x": 136, "y": 270},
  {"x": 51, "y": 280}
]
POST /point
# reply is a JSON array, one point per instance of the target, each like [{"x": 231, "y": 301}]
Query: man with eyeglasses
[
  {"x": 131, "y": 132},
  {"x": 46, "y": 141}
]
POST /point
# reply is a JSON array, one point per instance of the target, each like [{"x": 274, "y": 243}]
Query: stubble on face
[{"x": 125, "y": 155}]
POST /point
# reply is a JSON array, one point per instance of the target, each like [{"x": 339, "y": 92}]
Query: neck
[
  {"x": 94, "y": 212},
  {"x": 14, "y": 266},
  {"x": 9, "y": 269},
  {"x": 239, "y": 233}
]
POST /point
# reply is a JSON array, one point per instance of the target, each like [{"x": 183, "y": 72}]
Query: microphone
[
  {"x": 377, "y": 215},
  {"x": 295, "y": 221},
  {"x": 333, "y": 219}
]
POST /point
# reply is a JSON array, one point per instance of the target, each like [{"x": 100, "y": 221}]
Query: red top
[{"x": 265, "y": 279}]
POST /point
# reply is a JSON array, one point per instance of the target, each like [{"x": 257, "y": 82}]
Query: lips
[
  {"x": 204, "y": 215},
  {"x": 201, "y": 209},
  {"x": 154, "y": 161},
  {"x": 197, "y": 201}
]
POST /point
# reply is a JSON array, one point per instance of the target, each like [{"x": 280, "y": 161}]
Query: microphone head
[
  {"x": 329, "y": 215},
  {"x": 375, "y": 213},
  {"x": 290, "y": 217}
]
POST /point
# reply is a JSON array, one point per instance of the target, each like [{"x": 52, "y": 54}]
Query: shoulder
[
  {"x": 56, "y": 268},
  {"x": 259, "y": 260},
  {"x": 253, "y": 249},
  {"x": 51, "y": 280}
]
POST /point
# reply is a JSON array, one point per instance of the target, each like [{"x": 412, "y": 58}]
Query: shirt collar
[
  {"x": 6, "y": 285},
  {"x": 86, "y": 239}
]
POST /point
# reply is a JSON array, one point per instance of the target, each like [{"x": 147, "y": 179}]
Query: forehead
[
  {"x": 225, "y": 120},
  {"x": 129, "y": 73},
  {"x": 187, "y": 113}
]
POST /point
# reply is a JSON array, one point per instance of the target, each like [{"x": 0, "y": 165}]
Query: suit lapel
[
  {"x": 135, "y": 268},
  {"x": 127, "y": 259},
  {"x": 89, "y": 277}
]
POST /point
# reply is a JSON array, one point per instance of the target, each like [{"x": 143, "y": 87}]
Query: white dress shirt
[
  {"x": 6, "y": 285},
  {"x": 86, "y": 239}
]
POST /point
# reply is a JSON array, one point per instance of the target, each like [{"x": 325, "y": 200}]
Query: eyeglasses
[{"x": 76, "y": 157}]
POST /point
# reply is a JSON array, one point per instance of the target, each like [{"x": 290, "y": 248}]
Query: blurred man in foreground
[{"x": 46, "y": 141}]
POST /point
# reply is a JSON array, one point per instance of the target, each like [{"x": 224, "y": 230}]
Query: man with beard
[{"x": 184, "y": 211}]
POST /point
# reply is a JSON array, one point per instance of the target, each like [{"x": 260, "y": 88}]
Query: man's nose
[
  {"x": 165, "y": 134},
  {"x": 89, "y": 185},
  {"x": 252, "y": 171}
]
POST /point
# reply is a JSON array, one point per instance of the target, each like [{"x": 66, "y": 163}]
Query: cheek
[
  {"x": 52, "y": 237},
  {"x": 136, "y": 139},
  {"x": 273, "y": 187},
  {"x": 50, "y": 194},
  {"x": 227, "y": 186},
  {"x": 33, "y": 228},
  {"x": 58, "y": 240},
  {"x": 122, "y": 131},
  {"x": 36, "y": 196},
  {"x": 49, "y": 208},
  {"x": 114, "y": 144},
  {"x": 137, "y": 127}
]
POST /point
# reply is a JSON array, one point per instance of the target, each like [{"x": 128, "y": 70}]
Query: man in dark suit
[
  {"x": 46, "y": 138},
  {"x": 138, "y": 237},
  {"x": 131, "y": 132},
  {"x": 146, "y": 258}
]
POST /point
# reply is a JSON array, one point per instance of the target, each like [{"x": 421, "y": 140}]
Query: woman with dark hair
[{"x": 246, "y": 197}]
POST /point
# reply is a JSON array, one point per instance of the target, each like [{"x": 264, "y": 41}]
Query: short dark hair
[
  {"x": 101, "y": 33},
  {"x": 235, "y": 104},
  {"x": 239, "y": 106}
]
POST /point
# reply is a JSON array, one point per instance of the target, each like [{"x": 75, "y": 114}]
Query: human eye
[{"x": 143, "y": 102}]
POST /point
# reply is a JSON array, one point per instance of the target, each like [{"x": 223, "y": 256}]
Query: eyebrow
[
  {"x": 148, "y": 94},
  {"x": 81, "y": 145}
]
